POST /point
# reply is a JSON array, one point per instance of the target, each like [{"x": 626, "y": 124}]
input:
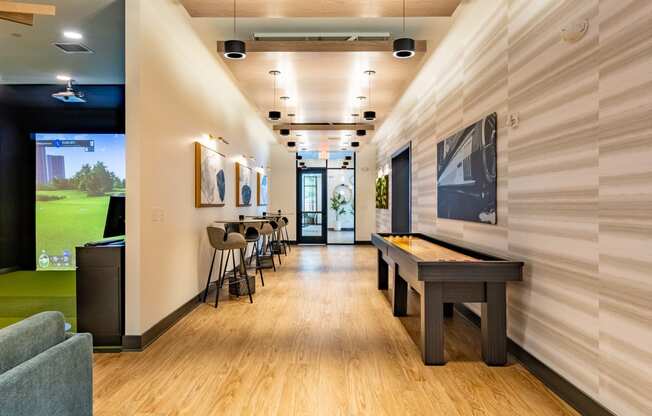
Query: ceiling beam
[
  {"x": 325, "y": 127},
  {"x": 322, "y": 46},
  {"x": 23, "y": 13},
  {"x": 321, "y": 8}
]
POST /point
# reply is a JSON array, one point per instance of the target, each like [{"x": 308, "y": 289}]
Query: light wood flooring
[{"x": 318, "y": 340}]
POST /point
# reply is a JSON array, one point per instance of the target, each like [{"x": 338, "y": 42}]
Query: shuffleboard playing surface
[{"x": 425, "y": 250}]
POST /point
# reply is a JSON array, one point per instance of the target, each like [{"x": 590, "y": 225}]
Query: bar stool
[
  {"x": 267, "y": 231},
  {"x": 286, "y": 239},
  {"x": 275, "y": 242},
  {"x": 220, "y": 240},
  {"x": 280, "y": 237},
  {"x": 252, "y": 235}
]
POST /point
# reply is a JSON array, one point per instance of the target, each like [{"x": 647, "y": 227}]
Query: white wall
[
  {"x": 284, "y": 186},
  {"x": 365, "y": 190},
  {"x": 176, "y": 90}
]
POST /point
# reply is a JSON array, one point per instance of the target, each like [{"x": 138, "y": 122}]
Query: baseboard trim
[
  {"x": 140, "y": 342},
  {"x": 363, "y": 242},
  {"x": 568, "y": 392}
]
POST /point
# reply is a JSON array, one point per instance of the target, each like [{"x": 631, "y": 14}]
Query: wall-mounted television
[
  {"x": 76, "y": 175},
  {"x": 466, "y": 173}
]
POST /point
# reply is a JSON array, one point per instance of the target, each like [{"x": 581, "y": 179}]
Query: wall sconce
[{"x": 216, "y": 138}]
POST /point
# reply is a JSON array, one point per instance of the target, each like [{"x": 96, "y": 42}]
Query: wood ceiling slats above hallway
[{"x": 321, "y": 8}]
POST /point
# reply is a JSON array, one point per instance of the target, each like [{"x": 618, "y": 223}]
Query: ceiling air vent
[{"x": 73, "y": 47}]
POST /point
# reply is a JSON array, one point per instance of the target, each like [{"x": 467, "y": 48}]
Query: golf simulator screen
[{"x": 75, "y": 176}]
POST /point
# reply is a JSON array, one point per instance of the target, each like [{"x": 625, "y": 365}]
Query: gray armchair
[{"x": 44, "y": 370}]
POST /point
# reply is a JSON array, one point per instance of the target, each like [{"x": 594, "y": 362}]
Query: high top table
[{"x": 443, "y": 273}]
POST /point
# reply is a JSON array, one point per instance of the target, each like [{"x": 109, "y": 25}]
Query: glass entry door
[{"x": 311, "y": 206}]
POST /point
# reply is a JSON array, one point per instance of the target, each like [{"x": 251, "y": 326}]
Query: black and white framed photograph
[{"x": 466, "y": 173}]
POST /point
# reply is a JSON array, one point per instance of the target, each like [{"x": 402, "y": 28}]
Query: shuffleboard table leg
[
  {"x": 382, "y": 272},
  {"x": 448, "y": 310},
  {"x": 432, "y": 323},
  {"x": 494, "y": 325},
  {"x": 399, "y": 294}
]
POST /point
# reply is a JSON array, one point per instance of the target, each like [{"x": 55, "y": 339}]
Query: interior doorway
[
  {"x": 401, "y": 191},
  {"x": 326, "y": 197},
  {"x": 311, "y": 206}
]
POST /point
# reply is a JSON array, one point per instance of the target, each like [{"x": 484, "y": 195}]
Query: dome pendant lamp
[
  {"x": 369, "y": 115},
  {"x": 404, "y": 48},
  {"x": 234, "y": 49},
  {"x": 274, "y": 115}
]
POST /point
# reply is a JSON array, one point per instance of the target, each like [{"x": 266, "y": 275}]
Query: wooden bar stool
[{"x": 220, "y": 240}]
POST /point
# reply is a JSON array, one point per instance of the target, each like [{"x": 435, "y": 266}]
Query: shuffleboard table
[{"x": 443, "y": 273}]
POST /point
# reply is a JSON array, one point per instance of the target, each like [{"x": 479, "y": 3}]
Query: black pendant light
[
  {"x": 234, "y": 49},
  {"x": 360, "y": 132},
  {"x": 369, "y": 115},
  {"x": 404, "y": 47},
  {"x": 274, "y": 115}
]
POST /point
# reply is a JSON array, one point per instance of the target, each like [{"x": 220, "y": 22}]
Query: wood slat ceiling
[
  {"x": 320, "y": 8},
  {"x": 323, "y": 87}
]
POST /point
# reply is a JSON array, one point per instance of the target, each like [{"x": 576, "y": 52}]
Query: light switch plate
[{"x": 158, "y": 214}]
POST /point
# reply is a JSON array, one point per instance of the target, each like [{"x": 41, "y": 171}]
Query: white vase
[{"x": 338, "y": 225}]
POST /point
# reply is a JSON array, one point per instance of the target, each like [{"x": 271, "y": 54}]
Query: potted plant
[{"x": 338, "y": 204}]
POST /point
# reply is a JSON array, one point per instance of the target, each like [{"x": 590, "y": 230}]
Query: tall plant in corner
[{"x": 338, "y": 204}]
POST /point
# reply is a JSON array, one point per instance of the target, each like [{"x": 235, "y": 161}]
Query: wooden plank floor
[{"x": 318, "y": 340}]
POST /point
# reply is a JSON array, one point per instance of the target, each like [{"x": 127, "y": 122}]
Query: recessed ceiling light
[
  {"x": 61, "y": 77},
  {"x": 72, "y": 35}
]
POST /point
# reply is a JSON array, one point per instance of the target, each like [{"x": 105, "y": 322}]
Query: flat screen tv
[
  {"x": 466, "y": 173},
  {"x": 76, "y": 176}
]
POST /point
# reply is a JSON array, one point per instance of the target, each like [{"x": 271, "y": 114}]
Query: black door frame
[
  {"x": 301, "y": 239},
  {"x": 406, "y": 148}
]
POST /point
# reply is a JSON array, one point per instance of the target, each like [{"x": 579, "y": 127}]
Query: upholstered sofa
[{"x": 44, "y": 370}]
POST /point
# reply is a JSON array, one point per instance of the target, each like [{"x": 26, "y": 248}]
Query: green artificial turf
[
  {"x": 26, "y": 293},
  {"x": 69, "y": 222}
]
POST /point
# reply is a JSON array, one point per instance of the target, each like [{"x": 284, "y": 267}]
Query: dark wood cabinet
[{"x": 100, "y": 292}]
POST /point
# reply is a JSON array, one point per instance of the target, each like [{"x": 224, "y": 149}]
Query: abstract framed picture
[
  {"x": 262, "y": 190},
  {"x": 244, "y": 185},
  {"x": 382, "y": 192},
  {"x": 466, "y": 173},
  {"x": 210, "y": 178}
]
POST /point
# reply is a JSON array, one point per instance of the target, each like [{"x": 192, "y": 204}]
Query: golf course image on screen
[{"x": 75, "y": 175}]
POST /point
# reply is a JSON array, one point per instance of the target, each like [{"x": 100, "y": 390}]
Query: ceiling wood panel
[
  {"x": 321, "y": 8},
  {"x": 23, "y": 13},
  {"x": 22, "y": 18},
  {"x": 27, "y": 8},
  {"x": 322, "y": 46}
]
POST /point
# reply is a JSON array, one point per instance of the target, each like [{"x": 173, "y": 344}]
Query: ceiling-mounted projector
[{"x": 70, "y": 95}]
